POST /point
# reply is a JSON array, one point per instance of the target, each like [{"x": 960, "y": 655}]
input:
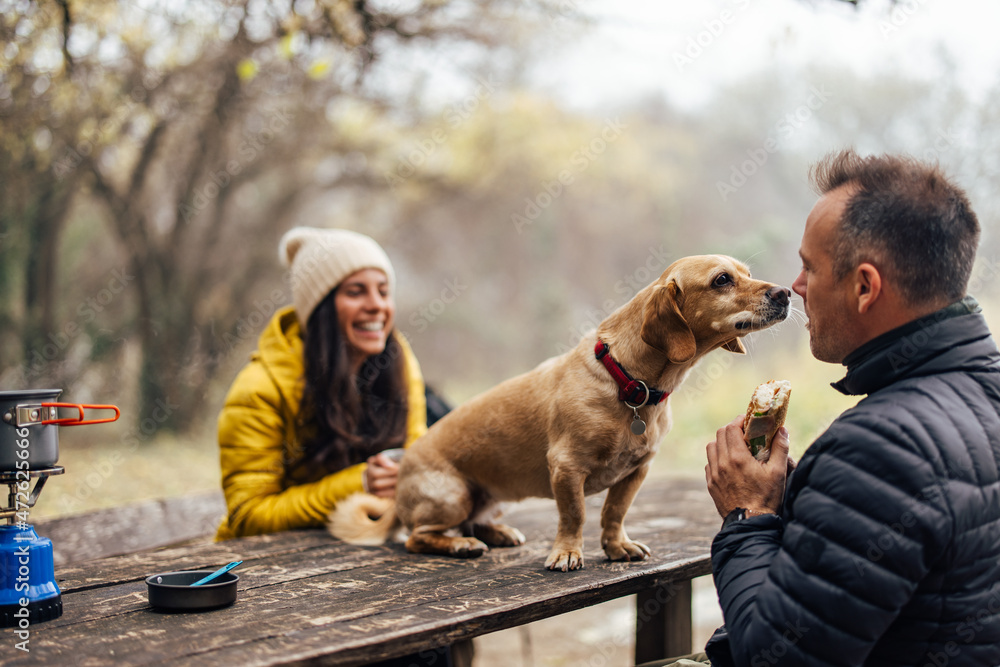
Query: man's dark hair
[{"x": 905, "y": 217}]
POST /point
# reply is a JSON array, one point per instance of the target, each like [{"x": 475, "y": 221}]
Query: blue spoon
[{"x": 220, "y": 571}]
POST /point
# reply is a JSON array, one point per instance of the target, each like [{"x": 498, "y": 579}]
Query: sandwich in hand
[{"x": 765, "y": 415}]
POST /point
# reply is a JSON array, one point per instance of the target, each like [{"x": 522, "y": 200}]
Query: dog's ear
[
  {"x": 663, "y": 326},
  {"x": 734, "y": 345}
]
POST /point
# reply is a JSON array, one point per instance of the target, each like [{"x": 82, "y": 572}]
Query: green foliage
[{"x": 175, "y": 147}]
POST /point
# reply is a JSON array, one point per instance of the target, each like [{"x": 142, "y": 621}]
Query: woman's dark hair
[{"x": 344, "y": 419}]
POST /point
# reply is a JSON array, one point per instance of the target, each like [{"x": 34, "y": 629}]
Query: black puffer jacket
[{"x": 887, "y": 551}]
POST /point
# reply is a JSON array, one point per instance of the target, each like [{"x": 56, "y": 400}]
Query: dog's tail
[{"x": 363, "y": 519}]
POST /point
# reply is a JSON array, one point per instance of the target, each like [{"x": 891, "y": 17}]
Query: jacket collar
[{"x": 955, "y": 337}]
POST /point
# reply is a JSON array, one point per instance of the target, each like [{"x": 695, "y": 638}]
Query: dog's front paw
[
  {"x": 626, "y": 550},
  {"x": 564, "y": 559}
]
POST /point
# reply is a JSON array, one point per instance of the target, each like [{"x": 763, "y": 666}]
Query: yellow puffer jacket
[{"x": 257, "y": 436}]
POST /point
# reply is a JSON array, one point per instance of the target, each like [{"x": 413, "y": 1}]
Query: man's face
[{"x": 832, "y": 328}]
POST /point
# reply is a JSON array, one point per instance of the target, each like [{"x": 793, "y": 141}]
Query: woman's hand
[{"x": 381, "y": 476}]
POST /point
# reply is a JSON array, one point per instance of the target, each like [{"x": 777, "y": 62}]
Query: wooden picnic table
[{"x": 305, "y": 597}]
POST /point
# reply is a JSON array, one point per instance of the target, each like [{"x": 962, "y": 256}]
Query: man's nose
[
  {"x": 799, "y": 286},
  {"x": 779, "y": 294}
]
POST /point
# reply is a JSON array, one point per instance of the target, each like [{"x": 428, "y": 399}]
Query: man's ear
[
  {"x": 867, "y": 286},
  {"x": 663, "y": 326},
  {"x": 734, "y": 345}
]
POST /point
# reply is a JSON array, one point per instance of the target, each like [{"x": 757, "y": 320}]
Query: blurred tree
[
  {"x": 197, "y": 132},
  {"x": 152, "y": 155}
]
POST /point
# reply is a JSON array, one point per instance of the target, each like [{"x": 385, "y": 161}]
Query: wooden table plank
[
  {"x": 133, "y": 567},
  {"x": 303, "y": 594}
]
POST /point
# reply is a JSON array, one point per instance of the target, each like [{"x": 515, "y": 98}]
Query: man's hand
[
  {"x": 736, "y": 479},
  {"x": 381, "y": 476}
]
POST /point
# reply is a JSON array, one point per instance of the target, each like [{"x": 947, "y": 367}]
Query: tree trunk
[{"x": 41, "y": 339}]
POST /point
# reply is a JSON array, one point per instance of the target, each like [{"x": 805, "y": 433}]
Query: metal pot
[{"x": 29, "y": 424}]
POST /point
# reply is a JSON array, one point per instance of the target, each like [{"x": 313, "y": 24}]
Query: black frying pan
[{"x": 172, "y": 591}]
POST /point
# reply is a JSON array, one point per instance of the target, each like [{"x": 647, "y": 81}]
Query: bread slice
[{"x": 765, "y": 415}]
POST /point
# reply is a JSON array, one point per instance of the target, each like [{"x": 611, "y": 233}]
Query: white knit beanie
[{"x": 320, "y": 259}]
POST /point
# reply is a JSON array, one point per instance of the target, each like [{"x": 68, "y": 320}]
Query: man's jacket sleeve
[{"x": 863, "y": 521}]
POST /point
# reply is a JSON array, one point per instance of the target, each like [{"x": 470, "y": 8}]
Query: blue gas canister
[{"x": 29, "y": 593}]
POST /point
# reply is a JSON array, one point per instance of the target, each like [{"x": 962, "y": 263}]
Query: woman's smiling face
[{"x": 366, "y": 312}]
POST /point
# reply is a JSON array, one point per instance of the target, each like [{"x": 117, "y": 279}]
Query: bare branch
[{"x": 67, "y": 22}]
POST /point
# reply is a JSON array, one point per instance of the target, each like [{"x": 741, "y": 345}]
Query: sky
[{"x": 684, "y": 50}]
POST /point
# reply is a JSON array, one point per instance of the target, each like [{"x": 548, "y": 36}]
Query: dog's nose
[{"x": 779, "y": 294}]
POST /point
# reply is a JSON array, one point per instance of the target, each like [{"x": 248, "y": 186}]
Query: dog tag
[{"x": 638, "y": 426}]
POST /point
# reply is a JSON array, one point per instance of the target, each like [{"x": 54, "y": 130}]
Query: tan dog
[{"x": 561, "y": 431}]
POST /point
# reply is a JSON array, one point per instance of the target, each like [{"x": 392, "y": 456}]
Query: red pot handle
[{"x": 80, "y": 421}]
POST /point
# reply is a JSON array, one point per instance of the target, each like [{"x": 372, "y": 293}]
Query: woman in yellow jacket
[{"x": 330, "y": 387}]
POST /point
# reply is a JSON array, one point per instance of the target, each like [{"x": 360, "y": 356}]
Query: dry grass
[{"x": 108, "y": 473}]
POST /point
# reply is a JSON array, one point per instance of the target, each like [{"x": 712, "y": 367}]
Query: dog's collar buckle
[{"x": 630, "y": 390}]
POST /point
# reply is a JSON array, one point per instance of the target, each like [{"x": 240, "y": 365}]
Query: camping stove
[
  {"x": 28, "y": 588},
  {"x": 29, "y": 448}
]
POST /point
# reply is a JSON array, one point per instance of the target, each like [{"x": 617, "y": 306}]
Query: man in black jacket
[{"x": 884, "y": 549}]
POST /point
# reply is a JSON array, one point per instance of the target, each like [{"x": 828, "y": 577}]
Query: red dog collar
[{"x": 630, "y": 390}]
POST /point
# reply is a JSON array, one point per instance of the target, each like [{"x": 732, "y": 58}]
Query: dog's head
[{"x": 708, "y": 301}]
